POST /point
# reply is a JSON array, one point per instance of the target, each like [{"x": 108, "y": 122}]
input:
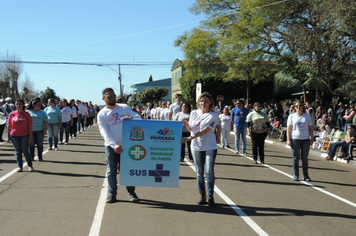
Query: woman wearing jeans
[
  {"x": 19, "y": 131},
  {"x": 225, "y": 120},
  {"x": 39, "y": 128},
  {"x": 54, "y": 115},
  {"x": 184, "y": 114},
  {"x": 67, "y": 121},
  {"x": 299, "y": 137},
  {"x": 202, "y": 123}
]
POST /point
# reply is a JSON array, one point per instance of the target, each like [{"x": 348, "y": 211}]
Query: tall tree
[
  {"x": 151, "y": 94},
  {"x": 48, "y": 93}
]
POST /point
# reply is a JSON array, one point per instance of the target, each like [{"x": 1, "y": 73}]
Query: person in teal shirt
[
  {"x": 54, "y": 115},
  {"x": 39, "y": 127}
]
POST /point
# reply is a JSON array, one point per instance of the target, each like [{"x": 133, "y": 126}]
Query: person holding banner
[
  {"x": 184, "y": 114},
  {"x": 202, "y": 124},
  {"x": 110, "y": 120}
]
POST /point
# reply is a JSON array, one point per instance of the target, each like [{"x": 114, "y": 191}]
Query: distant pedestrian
[
  {"x": 54, "y": 115},
  {"x": 300, "y": 138},
  {"x": 75, "y": 114},
  {"x": 184, "y": 114},
  {"x": 225, "y": 120},
  {"x": 39, "y": 128},
  {"x": 258, "y": 128},
  {"x": 67, "y": 121},
  {"x": 238, "y": 116}
]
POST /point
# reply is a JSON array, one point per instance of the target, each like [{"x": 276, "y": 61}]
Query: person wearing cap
[
  {"x": 119, "y": 100},
  {"x": 3, "y": 118},
  {"x": 340, "y": 116},
  {"x": 349, "y": 115},
  {"x": 7, "y": 107}
]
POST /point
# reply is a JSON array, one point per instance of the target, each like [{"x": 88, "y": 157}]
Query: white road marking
[
  {"x": 15, "y": 170},
  {"x": 304, "y": 182},
  {"x": 235, "y": 207},
  {"x": 99, "y": 213}
]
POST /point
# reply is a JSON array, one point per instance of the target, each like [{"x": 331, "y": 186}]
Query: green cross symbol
[{"x": 137, "y": 152}]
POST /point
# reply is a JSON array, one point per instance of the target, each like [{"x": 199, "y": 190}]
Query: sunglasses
[
  {"x": 111, "y": 96},
  {"x": 298, "y": 106}
]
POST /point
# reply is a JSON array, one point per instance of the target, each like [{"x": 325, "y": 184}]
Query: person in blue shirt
[
  {"x": 54, "y": 115},
  {"x": 39, "y": 127},
  {"x": 238, "y": 116}
]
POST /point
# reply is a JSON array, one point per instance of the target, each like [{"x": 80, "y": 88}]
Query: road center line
[
  {"x": 236, "y": 208},
  {"x": 99, "y": 213}
]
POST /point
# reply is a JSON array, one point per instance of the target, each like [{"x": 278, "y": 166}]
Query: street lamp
[{"x": 119, "y": 78}]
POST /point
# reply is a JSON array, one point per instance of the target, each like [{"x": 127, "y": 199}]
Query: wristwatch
[{"x": 191, "y": 137}]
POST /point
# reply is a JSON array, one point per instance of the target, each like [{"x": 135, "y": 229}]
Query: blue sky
[{"x": 90, "y": 31}]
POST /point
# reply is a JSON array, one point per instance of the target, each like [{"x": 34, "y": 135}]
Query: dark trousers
[
  {"x": 73, "y": 128},
  {"x": 2, "y": 127},
  {"x": 258, "y": 142},
  {"x": 341, "y": 123},
  {"x": 182, "y": 152}
]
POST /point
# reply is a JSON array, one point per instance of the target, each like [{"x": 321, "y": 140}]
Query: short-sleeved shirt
[
  {"x": 53, "y": 114},
  {"x": 312, "y": 115},
  {"x": 180, "y": 116},
  {"x": 66, "y": 112},
  {"x": 164, "y": 114},
  {"x": 198, "y": 121},
  {"x": 225, "y": 121},
  {"x": 240, "y": 116},
  {"x": 19, "y": 123},
  {"x": 174, "y": 108},
  {"x": 258, "y": 122},
  {"x": 74, "y": 111},
  {"x": 300, "y": 126},
  {"x": 38, "y": 119}
]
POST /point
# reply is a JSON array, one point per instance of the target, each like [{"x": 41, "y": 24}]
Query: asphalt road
[{"x": 66, "y": 196}]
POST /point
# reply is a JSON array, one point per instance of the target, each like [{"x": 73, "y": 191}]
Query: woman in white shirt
[
  {"x": 225, "y": 120},
  {"x": 164, "y": 111},
  {"x": 300, "y": 138},
  {"x": 67, "y": 121},
  {"x": 201, "y": 125}
]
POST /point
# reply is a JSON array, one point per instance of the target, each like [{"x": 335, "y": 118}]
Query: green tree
[
  {"x": 150, "y": 79},
  {"x": 151, "y": 95},
  {"x": 48, "y": 93}
]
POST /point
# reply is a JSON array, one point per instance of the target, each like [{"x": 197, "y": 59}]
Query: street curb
[{"x": 312, "y": 152}]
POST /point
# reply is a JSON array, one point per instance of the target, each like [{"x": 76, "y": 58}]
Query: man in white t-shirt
[
  {"x": 110, "y": 120},
  {"x": 158, "y": 110},
  {"x": 175, "y": 108},
  {"x": 311, "y": 112}
]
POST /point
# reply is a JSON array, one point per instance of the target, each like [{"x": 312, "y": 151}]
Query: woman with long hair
[
  {"x": 300, "y": 138},
  {"x": 39, "y": 128},
  {"x": 201, "y": 125},
  {"x": 67, "y": 121},
  {"x": 258, "y": 127},
  {"x": 184, "y": 115},
  {"x": 19, "y": 131},
  {"x": 74, "y": 113},
  {"x": 226, "y": 122},
  {"x": 54, "y": 115}
]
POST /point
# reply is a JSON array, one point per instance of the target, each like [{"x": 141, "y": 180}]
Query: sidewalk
[{"x": 313, "y": 151}]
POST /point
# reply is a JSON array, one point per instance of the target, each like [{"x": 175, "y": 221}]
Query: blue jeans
[
  {"x": 53, "y": 133},
  {"x": 65, "y": 127},
  {"x": 240, "y": 130},
  {"x": 112, "y": 162},
  {"x": 80, "y": 117},
  {"x": 300, "y": 149},
  {"x": 200, "y": 158},
  {"x": 346, "y": 126},
  {"x": 334, "y": 146},
  {"x": 37, "y": 138},
  {"x": 20, "y": 144},
  {"x": 225, "y": 137},
  {"x": 341, "y": 123}
]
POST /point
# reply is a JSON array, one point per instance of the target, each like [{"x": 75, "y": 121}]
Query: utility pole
[{"x": 121, "y": 95}]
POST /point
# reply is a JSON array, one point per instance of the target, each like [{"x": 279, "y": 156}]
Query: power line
[{"x": 90, "y": 63}]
